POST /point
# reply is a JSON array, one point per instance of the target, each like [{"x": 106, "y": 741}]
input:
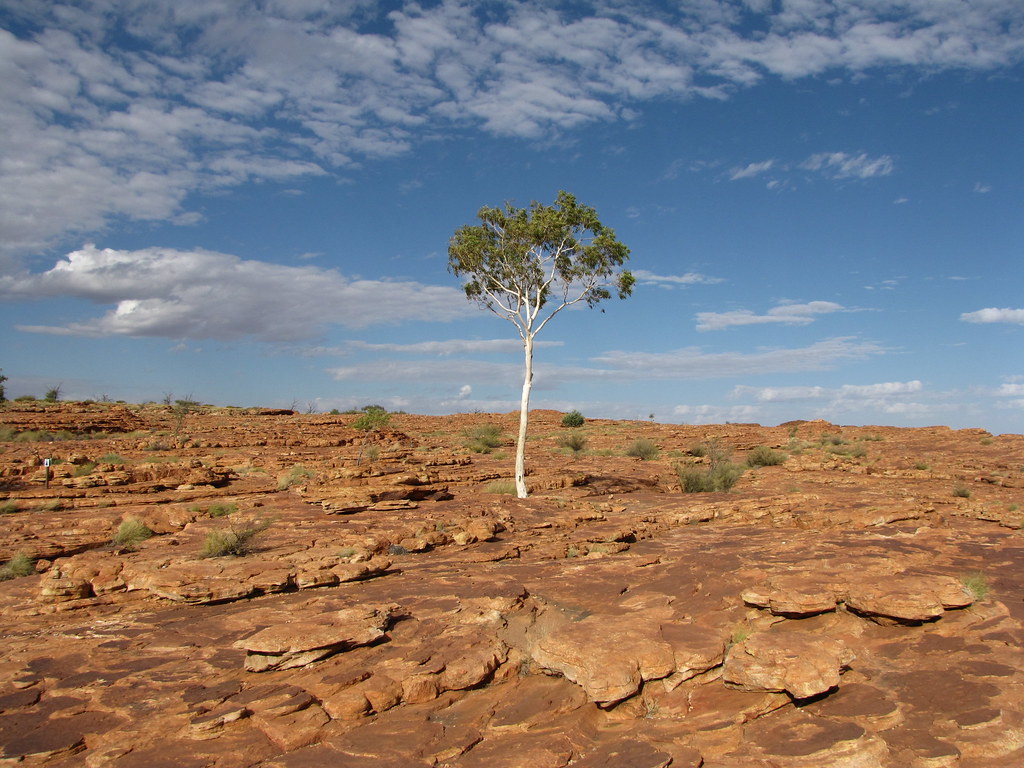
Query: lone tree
[{"x": 528, "y": 264}]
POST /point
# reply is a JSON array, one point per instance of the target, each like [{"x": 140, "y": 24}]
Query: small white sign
[{"x": 46, "y": 462}]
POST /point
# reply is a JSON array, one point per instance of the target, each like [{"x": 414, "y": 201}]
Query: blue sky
[{"x": 250, "y": 203}]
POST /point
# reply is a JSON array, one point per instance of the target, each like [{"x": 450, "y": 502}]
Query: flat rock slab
[
  {"x": 608, "y": 656},
  {"x": 907, "y": 599},
  {"x": 298, "y": 643},
  {"x": 801, "y": 665}
]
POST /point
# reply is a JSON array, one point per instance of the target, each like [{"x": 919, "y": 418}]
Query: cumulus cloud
[
  {"x": 786, "y": 314},
  {"x": 994, "y": 315},
  {"x": 906, "y": 398},
  {"x": 118, "y": 109},
  {"x": 201, "y": 294}
]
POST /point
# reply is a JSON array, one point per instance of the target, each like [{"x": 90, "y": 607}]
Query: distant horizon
[{"x": 824, "y": 204}]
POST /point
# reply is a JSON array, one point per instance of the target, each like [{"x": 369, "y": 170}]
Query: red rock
[{"x": 803, "y": 666}]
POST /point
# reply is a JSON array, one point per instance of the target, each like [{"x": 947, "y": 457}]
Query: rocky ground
[{"x": 858, "y": 605}]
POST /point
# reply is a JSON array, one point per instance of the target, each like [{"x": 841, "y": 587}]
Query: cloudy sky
[{"x": 250, "y": 202}]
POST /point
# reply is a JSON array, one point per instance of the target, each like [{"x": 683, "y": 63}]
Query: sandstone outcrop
[{"x": 845, "y": 609}]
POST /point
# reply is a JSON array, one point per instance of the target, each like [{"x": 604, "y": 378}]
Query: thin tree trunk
[{"x": 524, "y": 417}]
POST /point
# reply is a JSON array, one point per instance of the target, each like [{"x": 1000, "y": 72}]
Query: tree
[
  {"x": 528, "y": 264},
  {"x": 3, "y": 391}
]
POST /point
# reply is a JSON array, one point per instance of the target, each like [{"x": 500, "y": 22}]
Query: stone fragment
[
  {"x": 299, "y": 643},
  {"x": 798, "y": 664},
  {"x": 626, "y": 752},
  {"x": 795, "y": 595},
  {"x": 608, "y": 656}
]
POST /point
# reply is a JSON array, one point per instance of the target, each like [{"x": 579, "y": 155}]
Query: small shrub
[
  {"x": 574, "y": 441},
  {"x": 53, "y": 505},
  {"x": 962, "y": 491},
  {"x": 643, "y": 448},
  {"x": 234, "y": 542},
  {"x": 18, "y": 566},
  {"x": 484, "y": 439},
  {"x": 8, "y": 434},
  {"x": 130, "y": 533},
  {"x": 25, "y": 399},
  {"x": 53, "y": 394},
  {"x": 921, "y": 466},
  {"x": 372, "y": 418},
  {"x": 295, "y": 476},
  {"x": 853, "y": 451},
  {"x": 986, "y": 441},
  {"x": 113, "y": 458},
  {"x": 502, "y": 487},
  {"x": 222, "y": 510},
  {"x": 85, "y": 469},
  {"x": 573, "y": 420},
  {"x": 763, "y": 456},
  {"x": 9, "y": 506},
  {"x": 977, "y": 584},
  {"x": 717, "y": 478}
]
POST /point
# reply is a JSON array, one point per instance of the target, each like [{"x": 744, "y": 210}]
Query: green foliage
[
  {"x": 962, "y": 491},
  {"x": 222, "y": 510},
  {"x": 113, "y": 458},
  {"x": 53, "y": 394},
  {"x": 372, "y": 418},
  {"x": 574, "y": 441},
  {"x": 763, "y": 456},
  {"x": 25, "y": 399},
  {"x": 130, "y": 533},
  {"x": 573, "y": 420},
  {"x": 643, "y": 448},
  {"x": 9, "y": 506},
  {"x": 18, "y": 566},
  {"x": 502, "y": 487},
  {"x": 297, "y": 475},
  {"x": 536, "y": 252},
  {"x": 713, "y": 479},
  {"x": 484, "y": 438},
  {"x": 977, "y": 584},
  {"x": 235, "y": 541},
  {"x": 3, "y": 390},
  {"x": 85, "y": 469}
]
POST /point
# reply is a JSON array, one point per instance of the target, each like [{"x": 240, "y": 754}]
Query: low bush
[
  {"x": 130, "y": 533},
  {"x": 716, "y": 478},
  {"x": 9, "y": 506},
  {"x": 235, "y": 541},
  {"x": 573, "y": 420},
  {"x": 484, "y": 438},
  {"x": 962, "y": 491},
  {"x": 222, "y": 510},
  {"x": 297, "y": 475},
  {"x": 18, "y": 566},
  {"x": 763, "y": 456},
  {"x": 574, "y": 441},
  {"x": 643, "y": 448}
]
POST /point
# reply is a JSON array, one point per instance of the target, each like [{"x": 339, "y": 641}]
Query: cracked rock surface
[{"x": 840, "y": 610}]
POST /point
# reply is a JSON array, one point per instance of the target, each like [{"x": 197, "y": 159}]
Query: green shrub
[
  {"x": 9, "y": 506},
  {"x": 712, "y": 450},
  {"x": 643, "y": 448},
  {"x": 962, "y": 491},
  {"x": 484, "y": 438},
  {"x": 716, "y": 478},
  {"x": 853, "y": 451},
  {"x": 113, "y": 458},
  {"x": 25, "y": 399},
  {"x": 372, "y": 418},
  {"x": 295, "y": 476},
  {"x": 574, "y": 441},
  {"x": 85, "y": 469},
  {"x": 130, "y": 533},
  {"x": 573, "y": 420},
  {"x": 18, "y": 566},
  {"x": 233, "y": 542},
  {"x": 503, "y": 487},
  {"x": 763, "y": 456},
  {"x": 222, "y": 510},
  {"x": 8, "y": 434}
]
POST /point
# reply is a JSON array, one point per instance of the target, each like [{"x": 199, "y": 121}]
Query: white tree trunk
[{"x": 524, "y": 417}]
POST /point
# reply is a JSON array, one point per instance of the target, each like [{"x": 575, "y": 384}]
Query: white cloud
[
  {"x": 753, "y": 169},
  {"x": 215, "y": 94},
  {"x": 891, "y": 397},
  {"x": 840, "y": 165},
  {"x": 786, "y": 314},
  {"x": 207, "y": 295},
  {"x": 671, "y": 281},
  {"x": 982, "y": 189},
  {"x": 994, "y": 315},
  {"x": 465, "y": 391}
]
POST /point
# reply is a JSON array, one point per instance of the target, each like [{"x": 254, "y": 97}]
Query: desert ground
[{"x": 253, "y": 587}]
